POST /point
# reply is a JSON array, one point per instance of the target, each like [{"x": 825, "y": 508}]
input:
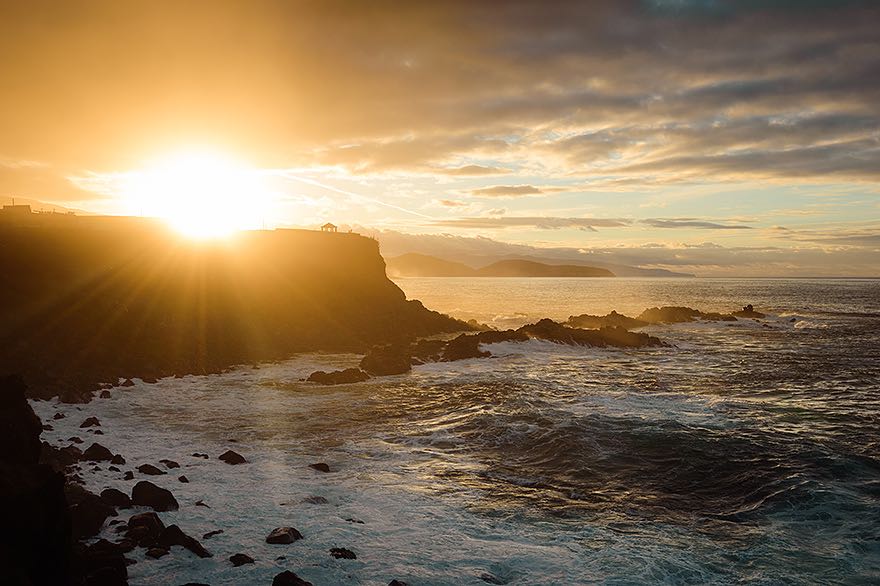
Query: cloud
[
  {"x": 473, "y": 170},
  {"x": 512, "y": 191},
  {"x": 541, "y": 223},
  {"x": 691, "y": 223},
  {"x": 451, "y": 203}
]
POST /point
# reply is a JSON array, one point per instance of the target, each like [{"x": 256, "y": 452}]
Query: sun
[{"x": 201, "y": 194}]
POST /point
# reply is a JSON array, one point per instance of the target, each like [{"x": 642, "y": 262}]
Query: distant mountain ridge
[{"x": 423, "y": 265}]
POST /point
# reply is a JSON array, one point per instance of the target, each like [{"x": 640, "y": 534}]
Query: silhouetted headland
[{"x": 88, "y": 300}]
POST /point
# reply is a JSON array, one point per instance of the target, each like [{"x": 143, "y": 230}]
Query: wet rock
[
  {"x": 201, "y": 503},
  {"x": 127, "y": 383},
  {"x": 96, "y": 431},
  {"x": 397, "y": 583},
  {"x": 75, "y": 440},
  {"x": 320, "y": 467},
  {"x": 147, "y": 494},
  {"x": 211, "y": 534},
  {"x": 198, "y": 455},
  {"x": 174, "y": 535},
  {"x": 749, "y": 312},
  {"x": 101, "y": 564},
  {"x": 427, "y": 350},
  {"x": 316, "y": 500},
  {"x": 356, "y": 521},
  {"x": 231, "y": 457},
  {"x": 88, "y": 511},
  {"x": 613, "y": 319},
  {"x": 169, "y": 463},
  {"x": 118, "y": 460},
  {"x": 129, "y": 475},
  {"x": 58, "y": 416},
  {"x": 492, "y": 578},
  {"x": 387, "y": 360},
  {"x": 183, "y": 479},
  {"x": 150, "y": 380},
  {"x": 97, "y": 453},
  {"x": 90, "y": 422},
  {"x": 116, "y": 498},
  {"x": 463, "y": 347},
  {"x": 342, "y": 553},
  {"x": 73, "y": 396},
  {"x": 288, "y": 578},
  {"x": 47, "y": 427},
  {"x": 282, "y": 535},
  {"x": 157, "y": 552},
  {"x": 338, "y": 377},
  {"x": 240, "y": 559},
  {"x": 113, "y": 469},
  {"x": 105, "y": 394},
  {"x": 144, "y": 528},
  {"x": 150, "y": 470},
  {"x": 59, "y": 458}
]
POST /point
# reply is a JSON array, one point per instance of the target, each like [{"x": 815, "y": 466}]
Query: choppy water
[{"x": 746, "y": 453}]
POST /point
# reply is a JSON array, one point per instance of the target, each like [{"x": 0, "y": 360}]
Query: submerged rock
[
  {"x": 338, "y": 377},
  {"x": 90, "y": 422},
  {"x": 320, "y": 467},
  {"x": 749, "y": 312},
  {"x": 231, "y": 457},
  {"x": 211, "y": 534},
  {"x": 282, "y": 535},
  {"x": 342, "y": 553},
  {"x": 147, "y": 494},
  {"x": 174, "y": 535},
  {"x": 240, "y": 559},
  {"x": 150, "y": 470}
]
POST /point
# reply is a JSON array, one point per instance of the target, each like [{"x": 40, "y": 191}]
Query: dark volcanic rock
[
  {"x": 169, "y": 463},
  {"x": 673, "y": 315},
  {"x": 338, "y": 377},
  {"x": 150, "y": 470},
  {"x": 342, "y": 553},
  {"x": 320, "y": 467},
  {"x": 105, "y": 394},
  {"x": 387, "y": 360},
  {"x": 116, "y": 498},
  {"x": 183, "y": 479},
  {"x": 127, "y": 383},
  {"x": 59, "y": 458},
  {"x": 288, "y": 578},
  {"x": 427, "y": 350},
  {"x": 144, "y": 528},
  {"x": 613, "y": 319},
  {"x": 749, "y": 312},
  {"x": 97, "y": 453},
  {"x": 174, "y": 535},
  {"x": 90, "y": 422},
  {"x": 102, "y": 564},
  {"x": 547, "y": 329},
  {"x": 231, "y": 457},
  {"x": 397, "y": 583},
  {"x": 463, "y": 347},
  {"x": 58, "y": 416},
  {"x": 282, "y": 535},
  {"x": 211, "y": 534},
  {"x": 147, "y": 494},
  {"x": 240, "y": 559},
  {"x": 88, "y": 511},
  {"x": 129, "y": 475},
  {"x": 118, "y": 460}
]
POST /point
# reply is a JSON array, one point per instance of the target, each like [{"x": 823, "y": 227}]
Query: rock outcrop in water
[{"x": 659, "y": 315}]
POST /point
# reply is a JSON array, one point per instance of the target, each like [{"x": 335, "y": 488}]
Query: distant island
[{"x": 422, "y": 265}]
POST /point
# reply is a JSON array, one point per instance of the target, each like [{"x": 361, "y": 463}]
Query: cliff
[{"x": 87, "y": 300}]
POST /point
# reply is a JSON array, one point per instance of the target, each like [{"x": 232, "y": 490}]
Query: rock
[
  {"x": 58, "y": 416},
  {"x": 129, "y": 475},
  {"x": 75, "y": 440},
  {"x": 315, "y": 500},
  {"x": 75, "y": 396},
  {"x": 397, "y": 583},
  {"x": 342, "y": 553},
  {"x": 150, "y": 380},
  {"x": 231, "y": 457},
  {"x": 492, "y": 578},
  {"x": 201, "y": 503},
  {"x": 101, "y": 564},
  {"x": 613, "y": 319},
  {"x": 240, "y": 559},
  {"x": 144, "y": 528},
  {"x": 97, "y": 453},
  {"x": 338, "y": 377},
  {"x": 90, "y": 422},
  {"x": 127, "y": 383},
  {"x": 169, "y": 463},
  {"x": 749, "y": 312},
  {"x": 183, "y": 479},
  {"x": 173, "y": 535},
  {"x": 96, "y": 431},
  {"x": 88, "y": 511},
  {"x": 198, "y": 455},
  {"x": 211, "y": 534},
  {"x": 356, "y": 521},
  {"x": 463, "y": 347},
  {"x": 113, "y": 469},
  {"x": 387, "y": 360},
  {"x": 147, "y": 494},
  {"x": 47, "y": 427},
  {"x": 105, "y": 394},
  {"x": 157, "y": 552},
  {"x": 320, "y": 467},
  {"x": 118, "y": 460},
  {"x": 115, "y": 498},
  {"x": 281, "y": 535},
  {"x": 288, "y": 578},
  {"x": 150, "y": 470},
  {"x": 59, "y": 458},
  {"x": 427, "y": 350}
]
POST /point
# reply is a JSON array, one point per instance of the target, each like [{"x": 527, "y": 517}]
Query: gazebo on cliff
[{"x": 328, "y": 227}]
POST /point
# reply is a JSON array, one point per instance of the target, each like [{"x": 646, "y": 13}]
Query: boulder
[
  {"x": 320, "y": 467},
  {"x": 118, "y": 460},
  {"x": 211, "y": 534},
  {"x": 183, "y": 479},
  {"x": 144, "y": 528},
  {"x": 105, "y": 394},
  {"x": 231, "y": 457},
  {"x": 88, "y": 511},
  {"x": 240, "y": 559},
  {"x": 150, "y": 470},
  {"x": 75, "y": 440},
  {"x": 147, "y": 494},
  {"x": 749, "y": 312},
  {"x": 342, "y": 553},
  {"x": 397, "y": 583},
  {"x": 97, "y": 453},
  {"x": 101, "y": 563},
  {"x": 387, "y": 360},
  {"x": 90, "y": 422},
  {"x": 129, "y": 475},
  {"x": 338, "y": 377},
  {"x": 282, "y": 535},
  {"x": 169, "y": 463},
  {"x": 58, "y": 416},
  {"x": 174, "y": 535},
  {"x": 127, "y": 383},
  {"x": 463, "y": 347},
  {"x": 116, "y": 498},
  {"x": 613, "y": 319},
  {"x": 288, "y": 578}
]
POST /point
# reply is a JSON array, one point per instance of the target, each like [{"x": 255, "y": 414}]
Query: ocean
[{"x": 744, "y": 452}]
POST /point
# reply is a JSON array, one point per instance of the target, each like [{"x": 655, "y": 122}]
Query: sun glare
[{"x": 200, "y": 194}]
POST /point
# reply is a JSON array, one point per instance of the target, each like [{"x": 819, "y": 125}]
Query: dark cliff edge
[{"x": 89, "y": 300}]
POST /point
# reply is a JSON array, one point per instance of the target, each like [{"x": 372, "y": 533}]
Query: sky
[{"x": 715, "y": 137}]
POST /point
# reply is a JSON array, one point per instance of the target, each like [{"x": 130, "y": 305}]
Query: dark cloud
[{"x": 691, "y": 223}]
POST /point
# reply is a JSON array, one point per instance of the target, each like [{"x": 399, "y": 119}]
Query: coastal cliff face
[{"x": 96, "y": 299}]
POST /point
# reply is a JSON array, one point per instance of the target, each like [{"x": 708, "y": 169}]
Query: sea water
[{"x": 745, "y": 452}]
